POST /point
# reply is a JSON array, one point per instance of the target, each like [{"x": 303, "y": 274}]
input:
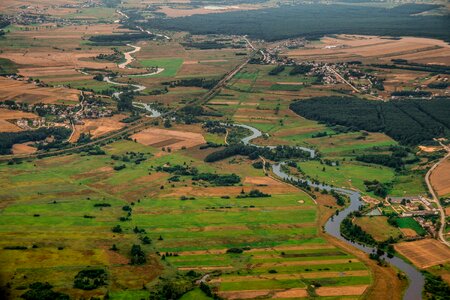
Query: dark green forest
[
  {"x": 313, "y": 21},
  {"x": 410, "y": 122}
]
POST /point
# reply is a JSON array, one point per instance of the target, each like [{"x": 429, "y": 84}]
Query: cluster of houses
[
  {"x": 417, "y": 207},
  {"x": 412, "y": 206}
]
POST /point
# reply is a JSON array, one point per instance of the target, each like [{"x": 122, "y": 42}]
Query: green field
[
  {"x": 347, "y": 174},
  {"x": 99, "y": 13},
  {"x": 7, "y": 67},
  {"x": 89, "y": 84},
  {"x": 51, "y": 203},
  {"x": 412, "y": 224},
  {"x": 378, "y": 227},
  {"x": 170, "y": 65},
  {"x": 286, "y": 87}
]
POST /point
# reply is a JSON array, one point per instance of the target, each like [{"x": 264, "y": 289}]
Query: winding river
[
  {"x": 136, "y": 87},
  {"x": 332, "y": 227}
]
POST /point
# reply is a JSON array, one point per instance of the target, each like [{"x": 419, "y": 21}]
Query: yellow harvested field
[
  {"x": 408, "y": 232},
  {"x": 245, "y": 294},
  {"x": 98, "y": 127},
  {"x": 422, "y": 50},
  {"x": 23, "y": 149},
  {"x": 6, "y": 115},
  {"x": 176, "y": 140},
  {"x": 430, "y": 149},
  {"x": 184, "y": 12},
  {"x": 263, "y": 180},
  {"x": 341, "y": 290},
  {"x": 424, "y": 253},
  {"x": 440, "y": 178},
  {"x": 291, "y": 293},
  {"x": 21, "y": 91}
]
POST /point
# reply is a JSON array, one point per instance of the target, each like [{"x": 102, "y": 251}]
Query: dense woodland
[
  {"x": 410, "y": 122},
  {"x": 118, "y": 39},
  {"x": 253, "y": 152},
  {"x": 8, "y": 139},
  {"x": 313, "y": 21}
]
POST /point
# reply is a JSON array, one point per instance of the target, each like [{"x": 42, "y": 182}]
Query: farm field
[
  {"x": 123, "y": 176},
  {"x": 249, "y": 99},
  {"x": 378, "y": 227},
  {"x": 280, "y": 232},
  {"x": 411, "y": 224},
  {"x": 374, "y": 48},
  {"x": 170, "y": 66},
  {"x": 98, "y": 127},
  {"x": 8, "y": 116},
  {"x": 425, "y": 253},
  {"x": 440, "y": 178},
  {"x": 31, "y": 94}
]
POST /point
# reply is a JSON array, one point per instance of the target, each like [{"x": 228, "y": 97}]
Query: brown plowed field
[
  {"x": 440, "y": 178},
  {"x": 6, "y": 115},
  {"x": 23, "y": 149},
  {"x": 421, "y": 50},
  {"x": 98, "y": 127},
  {"x": 424, "y": 253},
  {"x": 21, "y": 91},
  {"x": 341, "y": 290},
  {"x": 168, "y": 138}
]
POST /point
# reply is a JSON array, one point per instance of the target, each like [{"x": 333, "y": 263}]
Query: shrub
[
  {"x": 43, "y": 291},
  {"x": 235, "y": 250},
  {"x": 90, "y": 279}
]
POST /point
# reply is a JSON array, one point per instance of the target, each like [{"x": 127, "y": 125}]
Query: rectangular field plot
[
  {"x": 67, "y": 207},
  {"x": 170, "y": 65},
  {"x": 425, "y": 253},
  {"x": 282, "y": 251}
]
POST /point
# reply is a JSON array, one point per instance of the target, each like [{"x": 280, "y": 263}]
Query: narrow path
[{"x": 435, "y": 197}]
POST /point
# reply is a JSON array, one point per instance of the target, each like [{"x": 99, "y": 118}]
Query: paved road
[{"x": 435, "y": 197}]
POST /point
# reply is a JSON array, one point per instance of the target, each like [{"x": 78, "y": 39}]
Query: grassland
[
  {"x": 281, "y": 232},
  {"x": 412, "y": 224},
  {"x": 378, "y": 227},
  {"x": 170, "y": 65},
  {"x": 347, "y": 174},
  {"x": 7, "y": 67}
]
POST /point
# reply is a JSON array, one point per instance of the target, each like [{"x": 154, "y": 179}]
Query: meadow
[
  {"x": 170, "y": 65},
  {"x": 249, "y": 99},
  {"x": 412, "y": 224},
  {"x": 50, "y": 206}
]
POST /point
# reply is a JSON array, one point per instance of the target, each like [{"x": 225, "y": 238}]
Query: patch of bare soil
[
  {"x": 23, "y": 149},
  {"x": 169, "y": 138},
  {"x": 98, "y": 127},
  {"x": 291, "y": 293},
  {"x": 250, "y": 294},
  {"x": 341, "y": 290},
  {"x": 424, "y": 253},
  {"x": 440, "y": 178},
  {"x": 408, "y": 232},
  {"x": 21, "y": 91}
]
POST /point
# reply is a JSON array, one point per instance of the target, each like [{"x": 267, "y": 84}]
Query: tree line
[
  {"x": 253, "y": 152},
  {"x": 313, "y": 21},
  {"x": 8, "y": 139},
  {"x": 410, "y": 122}
]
